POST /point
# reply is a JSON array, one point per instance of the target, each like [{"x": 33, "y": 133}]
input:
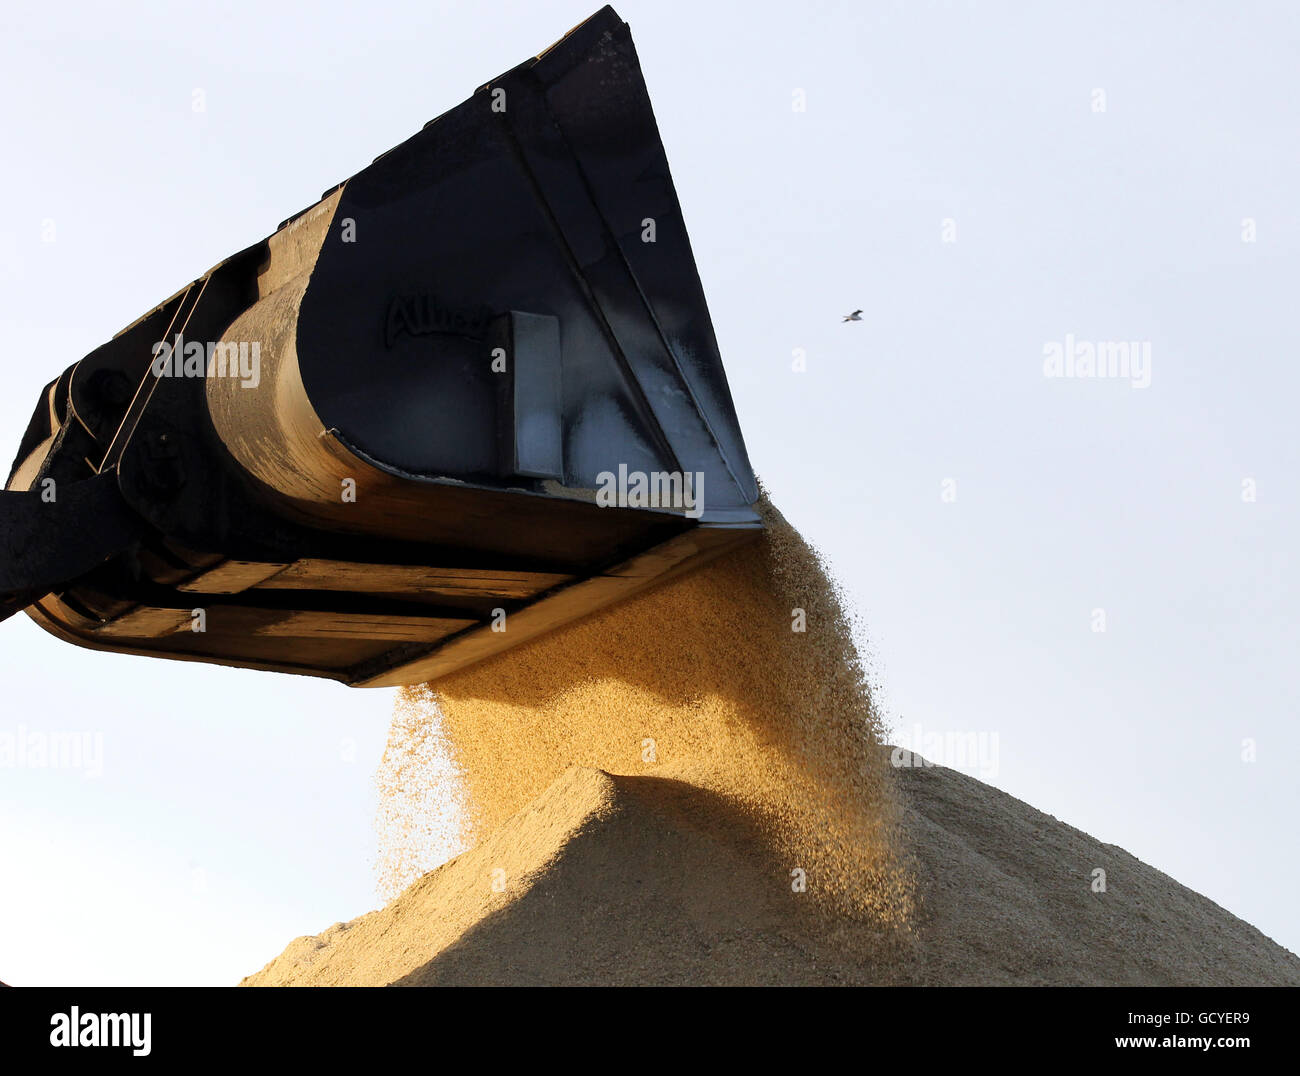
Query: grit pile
[
  {"x": 645, "y": 880},
  {"x": 692, "y": 787}
]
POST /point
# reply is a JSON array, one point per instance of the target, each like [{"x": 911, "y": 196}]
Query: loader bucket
[{"x": 471, "y": 394}]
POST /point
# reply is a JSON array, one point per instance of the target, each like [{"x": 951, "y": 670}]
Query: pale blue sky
[{"x": 229, "y": 818}]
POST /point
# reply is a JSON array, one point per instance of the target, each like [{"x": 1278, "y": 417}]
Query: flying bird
[{"x": 855, "y": 316}]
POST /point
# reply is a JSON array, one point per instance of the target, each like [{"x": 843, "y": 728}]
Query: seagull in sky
[{"x": 855, "y": 316}]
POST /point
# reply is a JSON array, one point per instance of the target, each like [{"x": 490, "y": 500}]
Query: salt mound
[
  {"x": 692, "y": 787},
  {"x": 740, "y": 677},
  {"x": 647, "y": 880}
]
